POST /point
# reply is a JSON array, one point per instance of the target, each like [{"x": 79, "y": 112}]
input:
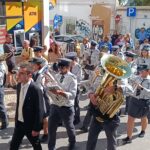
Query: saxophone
[{"x": 115, "y": 68}]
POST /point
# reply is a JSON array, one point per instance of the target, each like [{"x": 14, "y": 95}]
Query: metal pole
[{"x": 45, "y": 23}]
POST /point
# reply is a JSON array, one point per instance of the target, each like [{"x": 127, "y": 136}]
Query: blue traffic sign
[
  {"x": 58, "y": 20},
  {"x": 131, "y": 12}
]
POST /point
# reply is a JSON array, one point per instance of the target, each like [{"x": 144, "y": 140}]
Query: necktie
[{"x": 62, "y": 78}]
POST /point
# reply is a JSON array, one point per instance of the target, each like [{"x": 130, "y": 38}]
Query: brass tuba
[{"x": 115, "y": 68}]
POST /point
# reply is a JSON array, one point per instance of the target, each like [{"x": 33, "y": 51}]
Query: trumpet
[{"x": 134, "y": 84}]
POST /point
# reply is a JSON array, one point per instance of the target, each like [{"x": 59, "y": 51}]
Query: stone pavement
[{"x": 62, "y": 140}]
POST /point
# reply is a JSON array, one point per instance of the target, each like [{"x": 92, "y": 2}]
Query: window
[{"x": 70, "y": 25}]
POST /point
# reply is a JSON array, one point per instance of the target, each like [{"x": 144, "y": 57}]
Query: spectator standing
[
  {"x": 106, "y": 42},
  {"x": 10, "y": 61},
  {"x": 27, "y": 52},
  {"x": 54, "y": 53},
  {"x": 114, "y": 37},
  {"x": 142, "y": 35}
]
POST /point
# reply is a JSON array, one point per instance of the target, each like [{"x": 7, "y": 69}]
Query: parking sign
[{"x": 131, "y": 12}]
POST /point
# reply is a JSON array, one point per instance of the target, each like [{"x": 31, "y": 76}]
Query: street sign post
[{"x": 131, "y": 12}]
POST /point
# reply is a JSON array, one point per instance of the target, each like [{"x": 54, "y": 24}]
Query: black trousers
[
  {"x": 87, "y": 118},
  {"x": 66, "y": 114},
  {"x": 19, "y": 133},
  {"x": 110, "y": 128}
]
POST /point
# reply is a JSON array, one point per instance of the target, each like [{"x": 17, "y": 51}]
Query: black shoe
[
  {"x": 84, "y": 129},
  {"x": 4, "y": 125},
  {"x": 127, "y": 140},
  {"x": 44, "y": 138},
  {"x": 71, "y": 146},
  {"x": 141, "y": 135}
]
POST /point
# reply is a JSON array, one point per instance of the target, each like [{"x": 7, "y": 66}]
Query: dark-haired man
[
  {"x": 10, "y": 61},
  {"x": 29, "y": 110},
  {"x": 63, "y": 109}
]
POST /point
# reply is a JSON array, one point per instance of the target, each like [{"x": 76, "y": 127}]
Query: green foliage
[{"x": 134, "y": 2}]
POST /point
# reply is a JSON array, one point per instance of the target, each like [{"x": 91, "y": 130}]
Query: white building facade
[
  {"x": 76, "y": 15},
  {"x": 133, "y": 24}
]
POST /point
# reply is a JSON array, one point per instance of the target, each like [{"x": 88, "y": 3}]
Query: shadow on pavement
[{"x": 6, "y": 133}]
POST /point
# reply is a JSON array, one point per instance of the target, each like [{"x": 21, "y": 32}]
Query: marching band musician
[
  {"x": 3, "y": 112},
  {"x": 116, "y": 51},
  {"x": 95, "y": 77},
  {"x": 139, "y": 102},
  {"x": 91, "y": 56},
  {"x": 65, "y": 112},
  {"x": 109, "y": 125},
  {"x": 130, "y": 58},
  {"x": 76, "y": 69},
  {"x": 38, "y": 77},
  {"x": 145, "y": 55},
  {"x": 91, "y": 59},
  {"x": 38, "y": 52}
]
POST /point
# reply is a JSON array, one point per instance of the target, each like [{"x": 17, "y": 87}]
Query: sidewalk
[{"x": 62, "y": 139}]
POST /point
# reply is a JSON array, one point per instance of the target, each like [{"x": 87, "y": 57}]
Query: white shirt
[
  {"x": 69, "y": 85},
  {"x": 77, "y": 71},
  {"x": 23, "y": 92}
]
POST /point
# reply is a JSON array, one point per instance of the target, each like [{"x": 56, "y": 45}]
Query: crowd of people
[{"x": 49, "y": 85}]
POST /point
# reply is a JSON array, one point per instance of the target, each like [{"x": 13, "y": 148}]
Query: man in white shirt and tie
[
  {"x": 65, "y": 109},
  {"x": 29, "y": 110}
]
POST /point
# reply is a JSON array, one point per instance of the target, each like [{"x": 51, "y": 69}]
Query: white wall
[
  {"x": 129, "y": 24},
  {"x": 78, "y": 9}
]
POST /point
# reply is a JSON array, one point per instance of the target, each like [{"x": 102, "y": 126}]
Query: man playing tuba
[
  {"x": 105, "y": 100},
  {"x": 109, "y": 125}
]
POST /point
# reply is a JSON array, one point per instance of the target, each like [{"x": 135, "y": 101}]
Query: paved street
[{"x": 138, "y": 143}]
